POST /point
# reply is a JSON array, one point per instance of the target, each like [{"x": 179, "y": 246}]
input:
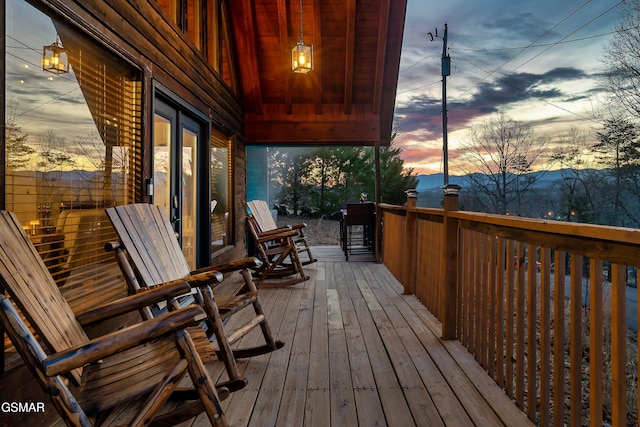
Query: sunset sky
[{"x": 538, "y": 62}]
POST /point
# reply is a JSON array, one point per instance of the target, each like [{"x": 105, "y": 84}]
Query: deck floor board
[{"x": 359, "y": 352}]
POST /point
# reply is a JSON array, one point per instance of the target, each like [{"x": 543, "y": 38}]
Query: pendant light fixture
[
  {"x": 302, "y": 54},
  {"x": 54, "y": 58}
]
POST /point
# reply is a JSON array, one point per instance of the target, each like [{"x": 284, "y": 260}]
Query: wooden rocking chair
[
  {"x": 277, "y": 250},
  {"x": 149, "y": 255},
  {"x": 262, "y": 214},
  {"x": 143, "y": 362}
]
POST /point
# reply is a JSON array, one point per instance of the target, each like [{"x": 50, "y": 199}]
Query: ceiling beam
[
  {"x": 286, "y": 53},
  {"x": 347, "y": 132},
  {"x": 350, "y": 43},
  {"x": 244, "y": 29},
  {"x": 383, "y": 29}
]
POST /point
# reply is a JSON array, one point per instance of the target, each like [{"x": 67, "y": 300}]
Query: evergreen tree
[
  {"x": 395, "y": 178},
  {"x": 618, "y": 149}
]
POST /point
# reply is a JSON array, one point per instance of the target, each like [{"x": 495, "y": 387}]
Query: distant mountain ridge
[{"x": 436, "y": 180}]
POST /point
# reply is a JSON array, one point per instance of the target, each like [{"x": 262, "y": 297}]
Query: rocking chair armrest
[
  {"x": 276, "y": 230},
  {"x": 204, "y": 278},
  {"x": 262, "y": 238},
  {"x": 298, "y": 226},
  {"x": 134, "y": 302},
  {"x": 228, "y": 267},
  {"x": 123, "y": 339}
]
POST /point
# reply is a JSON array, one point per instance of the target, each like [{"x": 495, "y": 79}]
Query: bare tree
[
  {"x": 499, "y": 155},
  {"x": 18, "y": 150},
  {"x": 622, "y": 61}
]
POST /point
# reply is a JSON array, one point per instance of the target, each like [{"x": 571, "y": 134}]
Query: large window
[{"x": 71, "y": 145}]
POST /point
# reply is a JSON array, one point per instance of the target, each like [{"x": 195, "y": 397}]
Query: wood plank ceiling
[{"x": 349, "y": 97}]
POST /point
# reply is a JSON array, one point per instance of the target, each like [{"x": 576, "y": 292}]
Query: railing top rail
[
  {"x": 388, "y": 207},
  {"x": 573, "y": 229},
  {"x": 615, "y": 244}
]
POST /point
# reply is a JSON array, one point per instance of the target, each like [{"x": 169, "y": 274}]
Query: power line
[
  {"x": 492, "y": 74},
  {"x": 534, "y": 97},
  {"x": 417, "y": 63},
  {"x": 572, "y": 33},
  {"x": 532, "y": 44},
  {"x": 419, "y": 87},
  {"x": 497, "y": 49}
]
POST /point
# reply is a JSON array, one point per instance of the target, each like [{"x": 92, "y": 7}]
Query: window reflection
[
  {"x": 220, "y": 192},
  {"x": 71, "y": 139}
]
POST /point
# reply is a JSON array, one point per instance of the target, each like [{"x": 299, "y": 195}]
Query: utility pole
[{"x": 446, "y": 71}]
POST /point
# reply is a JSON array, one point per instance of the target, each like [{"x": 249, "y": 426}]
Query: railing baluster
[
  {"x": 575, "y": 340},
  {"x": 618, "y": 344},
  {"x": 532, "y": 315},
  {"x": 545, "y": 339},
  {"x": 595, "y": 343},
  {"x": 500, "y": 296},
  {"x": 469, "y": 291},
  {"x": 484, "y": 299},
  {"x": 558, "y": 337},
  {"x": 499, "y": 310},
  {"x": 477, "y": 297},
  {"x": 520, "y": 314},
  {"x": 491, "y": 304},
  {"x": 510, "y": 316}
]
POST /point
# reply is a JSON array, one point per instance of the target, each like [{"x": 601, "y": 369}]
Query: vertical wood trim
[
  {"x": 595, "y": 343},
  {"x": 558, "y": 337},
  {"x": 350, "y": 52},
  {"x": 317, "y": 52},
  {"x": 286, "y": 54},
  {"x": 575, "y": 340},
  {"x": 383, "y": 30},
  {"x": 246, "y": 46},
  {"x": 618, "y": 345}
]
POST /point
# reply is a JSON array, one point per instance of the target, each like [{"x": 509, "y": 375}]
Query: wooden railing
[{"x": 562, "y": 349}]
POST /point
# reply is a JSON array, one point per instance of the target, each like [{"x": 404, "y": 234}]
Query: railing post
[
  {"x": 449, "y": 266},
  {"x": 410, "y": 256}
]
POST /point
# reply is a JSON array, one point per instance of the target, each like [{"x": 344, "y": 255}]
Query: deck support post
[
  {"x": 449, "y": 266},
  {"x": 410, "y": 257}
]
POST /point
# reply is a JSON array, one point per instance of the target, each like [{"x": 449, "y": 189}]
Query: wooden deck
[{"x": 358, "y": 352}]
